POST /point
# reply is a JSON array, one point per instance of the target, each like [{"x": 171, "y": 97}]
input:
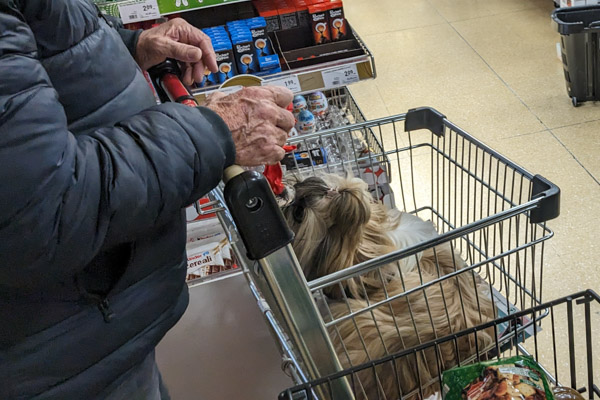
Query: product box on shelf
[
  {"x": 338, "y": 27},
  {"x": 225, "y": 61},
  {"x": 245, "y": 57},
  {"x": 287, "y": 14},
  {"x": 302, "y": 13},
  {"x": 262, "y": 43},
  {"x": 320, "y": 23},
  {"x": 269, "y": 12}
]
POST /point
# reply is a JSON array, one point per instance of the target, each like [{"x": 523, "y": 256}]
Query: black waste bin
[{"x": 580, "y": 30}]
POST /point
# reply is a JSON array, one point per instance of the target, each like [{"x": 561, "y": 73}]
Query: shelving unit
[
  {"x": 144, "y": 10},
  {"x": 326, "y": 76}
]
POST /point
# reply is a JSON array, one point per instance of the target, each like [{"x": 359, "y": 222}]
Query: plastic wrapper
[{"x": 514, "y": 378}]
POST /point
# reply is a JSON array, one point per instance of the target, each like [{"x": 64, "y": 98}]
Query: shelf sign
[
  {"x": 291, "y": 82},
  {"x": 139, "y": 10},
  {"x": 340, "y": 76}
]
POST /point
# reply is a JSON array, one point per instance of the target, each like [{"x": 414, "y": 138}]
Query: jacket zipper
[{"x": 107, "y": 312}]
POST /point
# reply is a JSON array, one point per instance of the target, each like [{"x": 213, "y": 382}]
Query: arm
[
  {"x": 64, "y": 197},
  {"x": 129, "y": 37}
]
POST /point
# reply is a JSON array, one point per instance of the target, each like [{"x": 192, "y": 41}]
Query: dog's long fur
[{"x": 337, "y": 225}]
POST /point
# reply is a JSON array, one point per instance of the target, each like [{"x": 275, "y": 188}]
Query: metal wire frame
[
  {"x": 564, "y": 345},
  {"x": 479, "y": 201},
  {"x": 499, "y": 242}
]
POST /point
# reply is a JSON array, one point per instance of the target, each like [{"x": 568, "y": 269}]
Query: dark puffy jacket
[{"x": 93, "y": 179}]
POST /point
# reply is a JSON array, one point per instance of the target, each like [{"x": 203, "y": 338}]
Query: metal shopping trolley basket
[
  {"x": 488, "y": 211},
  {"x": 565, "y": 348}
]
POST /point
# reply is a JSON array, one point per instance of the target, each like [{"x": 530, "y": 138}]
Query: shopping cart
[
  {"x": 566, "y": 348},
  {"x": 489, "y": 209}
]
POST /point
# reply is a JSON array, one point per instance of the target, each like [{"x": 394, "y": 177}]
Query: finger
[
  {"x": 181, "y": 51},
  {"x": 187, "y": 75},
  {"x": 196, "y": 37},
  {"x": 198, "y": 71},
  {"x": 282, "y": 137},
  {"x": 275, "y": 155},
  {"x": 279, "y": 95},
  {"x": 285, "y": 120},
  {"x": 270, "y": 154}
]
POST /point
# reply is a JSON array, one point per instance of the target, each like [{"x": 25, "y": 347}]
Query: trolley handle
[
  {"x": 248, "y": 195},
  {"x": 549, "y": 200}
]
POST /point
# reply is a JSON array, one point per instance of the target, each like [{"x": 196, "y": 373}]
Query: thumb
[{"x": 182, "y": 52}]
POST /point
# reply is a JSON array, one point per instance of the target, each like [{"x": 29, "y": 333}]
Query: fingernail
[{"x": 193, "y": 54}]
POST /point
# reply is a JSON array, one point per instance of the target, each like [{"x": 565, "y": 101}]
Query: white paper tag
[
  {"x": 291, "y": 82},
  {"x": 142, "y": 10},
  {"x": 340, "y": 76}
]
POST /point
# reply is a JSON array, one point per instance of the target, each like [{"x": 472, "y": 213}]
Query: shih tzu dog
[{"x": 338, "y": 224}]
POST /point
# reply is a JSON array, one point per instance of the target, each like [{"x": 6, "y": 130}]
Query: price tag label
[
  {"x": 340, "y": 76},
  {"x": 141, "y": 10},
  {"x": 291, "y": 82}
]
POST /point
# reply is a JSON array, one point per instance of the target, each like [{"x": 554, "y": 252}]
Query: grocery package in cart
[{"x": 560, "y": 361}]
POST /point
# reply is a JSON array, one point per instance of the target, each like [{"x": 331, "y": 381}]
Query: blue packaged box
[
  {"x": 258, "y": 30},
  {"x": 268, "y": 62},
  {"x": 225, "y": 61},
  {"x": 245, "y": 57}
]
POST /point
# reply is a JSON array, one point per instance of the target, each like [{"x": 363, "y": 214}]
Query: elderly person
[{"x": 93, "y": 182}]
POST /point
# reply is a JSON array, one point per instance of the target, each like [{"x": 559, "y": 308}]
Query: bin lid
[{"x": 572, "y": 20}]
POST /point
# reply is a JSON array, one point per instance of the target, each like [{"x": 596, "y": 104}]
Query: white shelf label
[
  {"x": 291, "y": 82},
  {"x": 340, "y": 76},
  {"x": 141, "y": 10}
]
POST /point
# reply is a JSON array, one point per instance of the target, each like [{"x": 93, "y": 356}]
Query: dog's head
[{"x": 337, "y": 224}]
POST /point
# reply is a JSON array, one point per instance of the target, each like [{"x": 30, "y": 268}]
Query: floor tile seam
[
  {"x": 489, "y": 15},
  {"x": 526, "y": 133},
  {"x": 574, "y": 124},
  {"x": 403, "y": 29},
  {"x": 504, "y": 82},
  {"x": 525, "y": 105},
  {"x": 574, "y": 157}
]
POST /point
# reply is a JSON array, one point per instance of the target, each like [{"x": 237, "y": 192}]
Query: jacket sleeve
[
  {"x": 64, "y": 197},
  {"x": 129, "y": 37}
]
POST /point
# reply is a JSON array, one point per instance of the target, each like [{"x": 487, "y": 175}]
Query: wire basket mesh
[
  {"x": 564, "y": 345},
  {"x": 485, "y": 261}
]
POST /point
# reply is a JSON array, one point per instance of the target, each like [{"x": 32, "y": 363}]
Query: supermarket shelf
[
  {"x": 330, "y": 75},
  {"x": 165, "y": 7}
]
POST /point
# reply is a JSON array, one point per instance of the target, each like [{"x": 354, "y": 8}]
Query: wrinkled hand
[
  {"x": 179, "y": 40},
  {"x": 258, "y": 121}
]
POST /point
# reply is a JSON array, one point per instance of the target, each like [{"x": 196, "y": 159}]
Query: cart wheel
[{"x": 574, "y": 101}]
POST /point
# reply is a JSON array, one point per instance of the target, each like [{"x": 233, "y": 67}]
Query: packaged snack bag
[{"x": 514, "y": 378}]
